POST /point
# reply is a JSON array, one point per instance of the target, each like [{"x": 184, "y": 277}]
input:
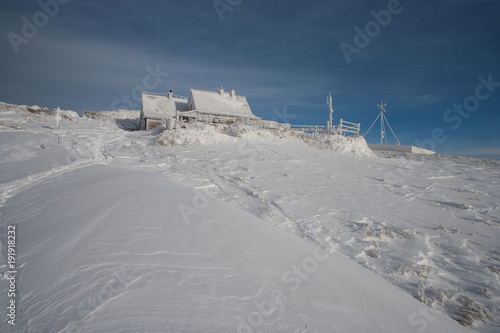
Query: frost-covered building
[
  {"x": 206, "y": 106},
  {"x": 157, "y": 107},
  {"x": 219, "y": 104}
]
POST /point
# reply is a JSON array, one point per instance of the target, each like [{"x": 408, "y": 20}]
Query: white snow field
[{"x": 213, "y": 229}]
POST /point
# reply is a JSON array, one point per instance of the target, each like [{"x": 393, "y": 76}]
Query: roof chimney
[
  {"x": 232, "y": 94},
  {"x": 221, "y": 91}
]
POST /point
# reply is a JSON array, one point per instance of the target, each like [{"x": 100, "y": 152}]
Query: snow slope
[
  {"x": 117, "y": 263},
  {"x": 251, "y": 233}
]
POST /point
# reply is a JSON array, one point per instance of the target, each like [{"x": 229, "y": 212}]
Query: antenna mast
[
  {"x": 383, "y": 121},
  {"x": 330, "y": 108},
  {"x": 382, "y": 127}
]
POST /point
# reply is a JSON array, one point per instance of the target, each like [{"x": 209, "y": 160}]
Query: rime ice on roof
[
  {"x": 156, "y": 108},
  {"x": 220, "y": 103}
]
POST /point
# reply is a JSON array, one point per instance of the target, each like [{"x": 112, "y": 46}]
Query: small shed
[{"x": 157, "y": 107}]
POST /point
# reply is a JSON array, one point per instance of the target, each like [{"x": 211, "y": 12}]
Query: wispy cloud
[{"x": 279, "y": 53}]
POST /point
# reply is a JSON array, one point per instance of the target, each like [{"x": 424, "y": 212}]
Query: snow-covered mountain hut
[
  {"x": 207, "y": 106},
  {"x": 157, "y": 107}
]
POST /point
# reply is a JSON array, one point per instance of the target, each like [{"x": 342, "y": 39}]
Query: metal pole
[
  {"x": 330, "y": 109},
  {"x": 381, "y": 122},
  {"x": 382, "y": 129}
]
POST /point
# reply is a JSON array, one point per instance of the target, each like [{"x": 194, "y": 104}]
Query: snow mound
[
  {"x": 355, "y": 145},
  {"x": 192, "y": 134},
  {"x": 246, "y": 131},
  {"x": 205, "y": 134}
]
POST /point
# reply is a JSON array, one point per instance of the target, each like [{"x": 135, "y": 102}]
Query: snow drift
[
  {"x": 204, "y": 134},
  {"x": 355, "y": 145}
]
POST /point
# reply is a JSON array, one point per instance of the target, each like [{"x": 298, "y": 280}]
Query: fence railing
[
  {"x": 180, "y": 97},
  {"x": 164, "y": 94},
  {"x": 348, "y": 127},
  {"x": 307, "y": 126},
  {"x": 343, "y": 128}
]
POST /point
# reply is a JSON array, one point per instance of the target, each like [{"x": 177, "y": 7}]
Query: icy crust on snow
[{"x": 429, "y": 225}]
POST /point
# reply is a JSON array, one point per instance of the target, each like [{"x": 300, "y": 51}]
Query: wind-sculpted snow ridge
[{"x": 428, "y": 225}]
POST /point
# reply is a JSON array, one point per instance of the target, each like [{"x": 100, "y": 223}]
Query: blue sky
[{"x": 420, "y": 57}]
